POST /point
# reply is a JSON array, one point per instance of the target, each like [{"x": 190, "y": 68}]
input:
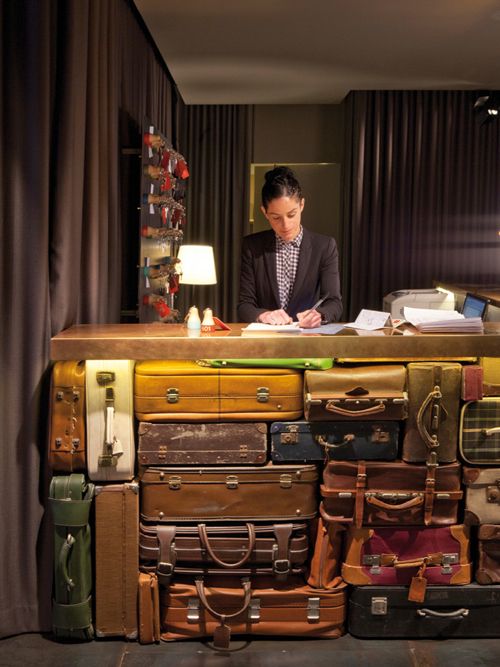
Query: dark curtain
[
  {"x": 421, "y": 194},
  {"x": 71, "y": 70},
  {"x": 217, "y": 141}
]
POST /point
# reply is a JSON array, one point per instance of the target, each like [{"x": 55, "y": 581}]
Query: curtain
[
  {"x": 217, "y": 141},
  {"x": 71, "y": 70},
  {"x": 421, "y": 194}
]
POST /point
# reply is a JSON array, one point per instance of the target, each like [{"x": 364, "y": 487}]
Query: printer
[{"x": 439, "y": 299}]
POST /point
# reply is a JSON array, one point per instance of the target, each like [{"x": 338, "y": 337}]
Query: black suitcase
[
  {"x": 303, "y": 441},
  {"x": 463, "y": 612}
]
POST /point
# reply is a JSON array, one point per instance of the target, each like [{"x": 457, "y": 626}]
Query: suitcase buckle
[
  {"x": 254, "y": 610},
  {"x": 448, "y": 561},
  {"x": 164, "y": 572},
  {"x": 104, "y": 377},
  {"x": 373, "y": 561},
  {"x": 174, "y": 483},
  {"x": 172, "y": 395},
  {"x": 313, "y": 609},
  {"x": 232, "y": 482},
  {"x": 281, "y": 566},
  {"x": 493, "y": 492},
  {"x": 262, "y": 394},
  {"x": 108, "y": 460},
  {"x": 379, "y": 606}
]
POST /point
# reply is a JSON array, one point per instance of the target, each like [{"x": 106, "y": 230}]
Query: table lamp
[{"x": 197, "y": 265}]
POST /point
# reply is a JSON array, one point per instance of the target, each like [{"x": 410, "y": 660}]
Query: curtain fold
[{"x": 421, "y": 194}]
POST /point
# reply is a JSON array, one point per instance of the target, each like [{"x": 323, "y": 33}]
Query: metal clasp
[
  {"x": 290, "y": 436},
  {"x": 379, "y": 606},
  {"x": 448, "y": 561},
  {"x": 172, "y": 395},
  {"x": 374, "y": 562},
  {"x": 105, "y": 377},
  {"x": 286, "y": 481},
  {"x": 174, "y": 483},
  {"x": 254, "y": 610},
  {"x": 313, "y": 609},
  {"x": 193, "y": 610},
  {"x": 262, "y": 394},
  {"x": 232, "y": 482}
]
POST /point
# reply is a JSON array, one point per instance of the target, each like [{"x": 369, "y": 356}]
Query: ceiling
[{"x": 316, "y": 51}]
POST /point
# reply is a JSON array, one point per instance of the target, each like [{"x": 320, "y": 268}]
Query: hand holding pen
[{"x": 309, "y": 319}]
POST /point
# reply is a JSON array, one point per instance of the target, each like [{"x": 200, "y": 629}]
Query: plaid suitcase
[{"x": 479, "y": 441}]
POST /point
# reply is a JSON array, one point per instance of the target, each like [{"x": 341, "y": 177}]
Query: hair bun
[{"x": 278, "y": 173}]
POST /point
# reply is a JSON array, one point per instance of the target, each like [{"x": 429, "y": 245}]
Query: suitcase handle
[
  {"x": 322, "y": 440},
  {"x": 459, "y": 613},
  {"x": 332, "y": 519},
  {"x": 430, "y": 559},
  {"x": 491, "y": 431},
  {"x": 431, "y": 441},
  {"x": 200, "y": 588},
  {"x": 202, "y": 530},
  {"x": 413, "y": 502},
  {"x": 64, "y": 555},
  {"x": 374, "y": 409}
]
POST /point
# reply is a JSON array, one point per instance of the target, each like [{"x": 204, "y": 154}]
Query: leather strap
[
  {"x": 430, "y": 559},
  {"x": 281, "y": 551},
  {"x": 200, "y": 588},
  {"x": 359, "y": 502},
  {"x": 430, "y": 485},
  {"x": 413, "y": 502},
  {"x": 167, "y": 556},
  {"x": 329, "y": 518},
  {"x": 373, "y": 409},
  {"x": 202, "y": 531}
]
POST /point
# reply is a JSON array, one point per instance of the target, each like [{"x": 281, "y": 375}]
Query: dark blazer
[{"x": 317, "y": 274}]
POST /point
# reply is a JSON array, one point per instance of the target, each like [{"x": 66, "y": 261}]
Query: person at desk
[{"x": 288, "y": 272}]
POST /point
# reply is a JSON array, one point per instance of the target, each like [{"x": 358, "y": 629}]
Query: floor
[{"x": 42, "y": 651}]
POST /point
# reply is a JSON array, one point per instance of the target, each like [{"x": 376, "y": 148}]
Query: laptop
[{"x": 474, "y": 306}]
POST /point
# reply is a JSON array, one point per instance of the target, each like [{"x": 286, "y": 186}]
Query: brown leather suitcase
[
  {"x": 432, "y": 424},
  {"x": 324, "y": 570},
  {"x": 185, "y": 391},
  {"x": 67, "y": 417},
  {"x": 356, "y": 392},
  {"x": 202, "y": 444},
  {"x": 244, "y": 607},
  {"x": 274, "y": 549},
  {"x": 482, "y": 495},
  {"x": 248, "y": 493},
  {"x": 117, "y": 559},
  {"x": 379, "y": 493},
  {"x": 488, "y": 564},
  {"x": 148, "y": 607}
]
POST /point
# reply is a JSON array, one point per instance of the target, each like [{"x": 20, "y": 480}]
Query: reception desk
[{"x": 171, "y": 341}]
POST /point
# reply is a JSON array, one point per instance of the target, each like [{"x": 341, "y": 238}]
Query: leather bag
[
  {"x": 319, "y": 364},
  {"x": 407, "y": 555},
  {"x": 67, "y": 417},
  {"x": 185, "y": 391},
  {"x": 432, "y": 425},
  {"x": 324, "y": 570},
  {"x": 479, "y": 441},
  {"x": 488, "y": 563},
  {"x": 345, "y": 441},
  {"x": 148, "y": 607},
  {"x": 278, "y": 550},
  {"x": 376, "y": 493},
  {"x": 356, "y": 392},
  {"x": 70, "y": 498},
  {"x": 482, "y": 495},
  {"x": 202, "y": 444},
  {"x": 222, "y": 609},
  {"x": 278, "y": 493}
]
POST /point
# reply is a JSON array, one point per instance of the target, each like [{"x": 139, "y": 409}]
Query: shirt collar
[{"x": 295, "y": 242}]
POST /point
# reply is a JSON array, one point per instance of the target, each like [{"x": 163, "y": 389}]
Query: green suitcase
[{"x": 70, "y": 500}]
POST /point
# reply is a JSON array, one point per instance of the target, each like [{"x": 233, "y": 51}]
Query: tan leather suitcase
[
  {"x": 243, "y": 607},
  {"x": 248, "y": 493},
  {"x": 185, "y": 391},
  {"x": 482, "y": 495},
  {"x": 67, "y": 417},
  {"x": 148, "y": 606},
  {"x": 117, "y": 559}
]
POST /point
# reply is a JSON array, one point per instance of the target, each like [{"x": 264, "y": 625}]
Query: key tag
[
  {"x": 222, "y": 634},
  {"x": 418, "y": 585}
]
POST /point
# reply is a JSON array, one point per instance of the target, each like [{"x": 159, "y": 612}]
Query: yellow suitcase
[
  {"x": 491, "y": 375},
  {"x": 185, "y": 391}
]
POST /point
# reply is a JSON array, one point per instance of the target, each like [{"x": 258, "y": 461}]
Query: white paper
[
  {"x": 260, "y": 326},
  {"x": 324, "y": 329},
  {"x": 419, "y": 315},
  {"x": 370, "y": 320}
]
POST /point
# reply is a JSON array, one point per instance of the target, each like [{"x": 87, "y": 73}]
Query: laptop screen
[{"x": 474, "y": 306}]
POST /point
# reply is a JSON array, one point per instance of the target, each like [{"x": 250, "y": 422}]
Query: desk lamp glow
[{"x": 197, "y": 268}]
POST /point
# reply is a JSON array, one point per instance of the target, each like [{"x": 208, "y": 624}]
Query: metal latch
[
  {"x": 105, "y": 377},
  {"x": 243, "y": 451},
  {"x": 172, "y": 395},
  {"x": 312, "y": 401},
  {"x": 174, "y": 483},
  {"x": 374, "y": 562},
  {"x": 286, "y": 481},
  {"x": 493, "y": 492},
  {"x": 254, "y": 610},
  {"x": 262, "y": 394},
  {"x": 108, "y": 460},
  {"x": 380, "y": 436},
  {"x": 232, "y": 482},
  {"x": 313, "y": 609},
  {"x": 448, "y": 561},
  {"x": 379, "y": 606},
  {"x": 193, "y": 610},
  {"x": 290, "y": 436}
]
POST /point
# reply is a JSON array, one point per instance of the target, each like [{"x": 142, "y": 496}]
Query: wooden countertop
[{"x": 171, "y": 341}]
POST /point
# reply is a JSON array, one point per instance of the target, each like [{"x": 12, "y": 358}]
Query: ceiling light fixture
[{"x": 487, "y": 106}]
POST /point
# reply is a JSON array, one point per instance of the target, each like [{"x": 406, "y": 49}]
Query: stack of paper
[{"x": 428, "y": 320}]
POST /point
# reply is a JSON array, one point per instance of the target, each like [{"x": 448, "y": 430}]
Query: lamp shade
[{"x": 197, "y": 265}]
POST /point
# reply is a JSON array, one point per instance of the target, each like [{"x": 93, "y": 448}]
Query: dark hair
[{"x": 280, "y": 182}]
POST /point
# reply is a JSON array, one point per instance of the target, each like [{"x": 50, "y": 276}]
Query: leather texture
[
  {"x": 482, "y": 495},
  {"x": 279, "y": 493},
  {"x": 202, "y": 444},
  {"x": 488, "y": 563},
  {"x": 70, "y": 498},
  {"x": 491, "y": 377},
  {"x": 117, "y": 559},
  {"x": 472, "y": 382},
  {"x": 432, "y": 425},
  {"x": 356, "y": 392},
  {"x": 376, "y": 493},
  {"x": 324, "y": 570},
  {"x": 479, "y": 441},
  {"x": 67, "y": 417},
  {"x": 148, "y": 607},
  {"x": 246, "y": 607},
  {"x": 185, "y": 391},
  {"x": 345, "y": 441}
]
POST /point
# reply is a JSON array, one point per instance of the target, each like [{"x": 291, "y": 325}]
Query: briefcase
[
  {"x": 482, "y": 495},
  {"x": 148, "y": 608},
  {"x": 67, "y": 417},
  {"x": 479, "y": 441},
  {"x": 346, "y": 441},
  {"x": 223, "y": 609},
  {"x": 185, "y": 391},
  {"x": 491, "y": 377},
  {"x": 461, "y": 612},
  {"x": 273, "y": 549},
  {"x": 248, "y": 493},
  {"x": 356, "y": 392},
  {"x": 488, "y": 564},
  {"x": 202, "y": 444},
  {"x": 116, "y": 559},
  {"x": 432, "y": 425},
  {"x": 376, "y": 493},
  {"x": 411, "y": 556}
]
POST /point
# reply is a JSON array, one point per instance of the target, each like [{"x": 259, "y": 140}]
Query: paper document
[
  {"x": 428, "y": 320},
  {"x": 418, "y": 315},
  {"x": 370, "y": 320},
  {"x": 284, "y": 328},
  {"x": 324, "y": 329}
]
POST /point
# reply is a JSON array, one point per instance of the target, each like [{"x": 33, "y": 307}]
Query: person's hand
[
  {"x": 309, "y": 319},
  {"x": 275, "y": 317}
]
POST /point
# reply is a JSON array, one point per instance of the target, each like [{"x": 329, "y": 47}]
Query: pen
[{"x": 319, "y": 302}]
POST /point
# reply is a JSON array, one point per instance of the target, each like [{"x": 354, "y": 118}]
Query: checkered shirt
[{"x": 287, "y": 260}]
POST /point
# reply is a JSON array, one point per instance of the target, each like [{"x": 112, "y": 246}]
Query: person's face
[{"x": 283, "y": 214}]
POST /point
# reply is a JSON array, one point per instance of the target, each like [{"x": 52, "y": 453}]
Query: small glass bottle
[{"x": 193, "y": 319}]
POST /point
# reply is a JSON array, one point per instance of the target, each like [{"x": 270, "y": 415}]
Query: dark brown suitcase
[
  {"x": 244, "y": 607},
  {"x": 278, "y": 549},
  {"x": 202, "y": 444},
  {"x": 396, "y": 493},
  {"x": 488, "y": 566},
  {"x": 248, "y": 493}
]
